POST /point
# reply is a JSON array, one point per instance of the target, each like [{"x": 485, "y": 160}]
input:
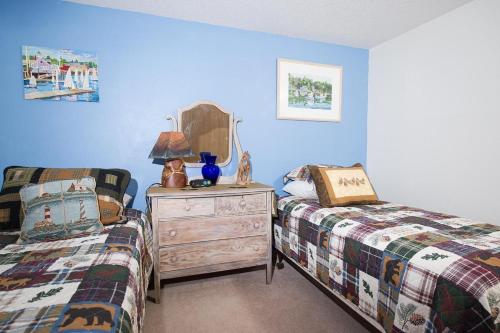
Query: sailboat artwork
[{"x": 60, "y": 75}]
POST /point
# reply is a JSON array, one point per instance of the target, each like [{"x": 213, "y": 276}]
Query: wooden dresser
[{"x": 210, "y": 229}]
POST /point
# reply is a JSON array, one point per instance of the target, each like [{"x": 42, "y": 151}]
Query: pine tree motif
[
  {"x": 43, "y": 294},
  {"x": 405, "y": 313},
  {"x": 367, "y": 289},
  {"x": 345, "y": 224},
  {"x": 434, "y": 256}
]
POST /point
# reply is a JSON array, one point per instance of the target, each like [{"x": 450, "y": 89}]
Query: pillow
[
  {"x": 302, "y": 173},
  {"x": 126, "y": 199},
  {"x": 59, "y": 210},
  {"x": 343, "y": 186},
  {"x": 110, "y": 188},
  {"x": 301, "y": 188}
]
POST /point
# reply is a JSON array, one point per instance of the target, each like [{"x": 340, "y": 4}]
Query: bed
[
  {"x": 96, "y": 283},
  {"x": 400, "y": 268}
]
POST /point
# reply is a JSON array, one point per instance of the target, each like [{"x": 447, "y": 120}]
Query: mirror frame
[{"x": 230, "y": 129}]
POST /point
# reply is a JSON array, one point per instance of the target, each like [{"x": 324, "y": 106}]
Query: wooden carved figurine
[{"x": 244, "y": 168}]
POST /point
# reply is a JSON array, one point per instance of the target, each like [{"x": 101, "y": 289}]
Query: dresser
[{"x": 210, "y": 229}]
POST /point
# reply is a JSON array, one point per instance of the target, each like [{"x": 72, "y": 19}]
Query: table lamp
[{"x": 172, "y": 147}]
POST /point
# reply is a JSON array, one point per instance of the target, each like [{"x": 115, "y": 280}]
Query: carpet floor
[{"x": 242, "y": 302}]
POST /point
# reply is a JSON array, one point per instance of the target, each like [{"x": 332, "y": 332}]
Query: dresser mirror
[{"x": 209, "y": 128}]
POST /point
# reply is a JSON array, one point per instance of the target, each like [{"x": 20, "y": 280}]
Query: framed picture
[
  {"x": 309, "y": 91},
  {"x": 60, "y": 75}
]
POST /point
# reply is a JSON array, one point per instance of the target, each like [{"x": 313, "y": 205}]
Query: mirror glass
[{"x": 207, "y": 128}]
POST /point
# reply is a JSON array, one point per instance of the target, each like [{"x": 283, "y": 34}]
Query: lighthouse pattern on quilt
[
  {"x": 83, "y": 217},
  {"x": 47, "y": 219},
  {"x": 58, "y": 209}
]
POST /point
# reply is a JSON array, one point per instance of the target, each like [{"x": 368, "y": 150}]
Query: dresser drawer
[
  {"x": 187, "y": 256},
  {"x": 168, "y": 208},
  {"x": 241, "y": 204},
  {"x": 210, "y": 228}
]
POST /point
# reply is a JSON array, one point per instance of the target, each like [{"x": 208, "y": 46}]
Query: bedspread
[
  {"x": 410, "y": 269},
  {"x": 96, "y": 283}
]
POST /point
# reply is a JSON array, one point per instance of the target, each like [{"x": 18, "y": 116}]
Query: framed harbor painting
[
  {"x": 60, "y": 75},
  {"x": 309, "y": 91}
]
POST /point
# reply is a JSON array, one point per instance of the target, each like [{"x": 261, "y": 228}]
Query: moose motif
[
  {"x": 10, "y": 283},
  {"x": 43, "y": 255}
]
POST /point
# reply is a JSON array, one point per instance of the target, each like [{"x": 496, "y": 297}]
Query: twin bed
[
  {"x": 402, "y": 269},
  {"x": 96, "y": 283}
]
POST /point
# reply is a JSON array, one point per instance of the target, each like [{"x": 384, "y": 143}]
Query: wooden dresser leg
[
  {"x": 157, "y": 288},
  {"x": 269, "y": 272}
]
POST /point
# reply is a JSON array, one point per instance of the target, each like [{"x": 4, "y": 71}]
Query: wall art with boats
[{"x": 60, "y": 74}]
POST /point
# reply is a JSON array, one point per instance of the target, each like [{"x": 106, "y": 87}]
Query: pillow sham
[
  {"x": 301, "y": 188},
  {"x": 111, "y": 185},
  {"x": 343, "y": 186},
  {"x": 59, "y": 210},
  {"x": 303, "y": 173}
]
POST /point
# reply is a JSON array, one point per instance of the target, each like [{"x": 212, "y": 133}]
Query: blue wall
[{"x": 149, "y": 67}]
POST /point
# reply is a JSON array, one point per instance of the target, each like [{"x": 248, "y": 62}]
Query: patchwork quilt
[
  {"x": 89, "y": 284},
  {"x": 410, "y": 269}
]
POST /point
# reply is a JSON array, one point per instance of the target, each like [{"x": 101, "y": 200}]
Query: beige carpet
[{"x": 242, "y": 302}]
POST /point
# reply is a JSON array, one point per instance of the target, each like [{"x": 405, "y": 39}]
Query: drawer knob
[
  {"x": 173, "y": 259},
  {"x": 243, "y": 203},
  {"x": 256, "y": 225},
  {"x": 173, "y": 233}
]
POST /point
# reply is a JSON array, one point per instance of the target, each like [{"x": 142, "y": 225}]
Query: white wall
[{"x": 434, "y": 114}]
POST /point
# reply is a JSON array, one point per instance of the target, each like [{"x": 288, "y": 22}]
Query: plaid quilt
[
  {"x": 89, "y": 284},
  {"x": 410, "y": 269}
]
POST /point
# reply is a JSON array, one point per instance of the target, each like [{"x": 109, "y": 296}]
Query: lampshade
[{"x": 170, "y": 145}]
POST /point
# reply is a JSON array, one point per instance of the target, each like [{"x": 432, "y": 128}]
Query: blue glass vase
[{"x": 210, "y": 170}]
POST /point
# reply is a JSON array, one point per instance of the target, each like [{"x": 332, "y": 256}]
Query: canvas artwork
[
  {"x": 60, "y": 75},
  {"x": 308, "y": 91}
]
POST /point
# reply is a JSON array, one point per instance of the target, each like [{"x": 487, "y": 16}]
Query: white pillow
[
  {"x": 126, "y": 199},
  {"x": 301, "y": 188}
]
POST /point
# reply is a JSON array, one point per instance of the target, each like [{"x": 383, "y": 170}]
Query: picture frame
[
  {"x": 60, "y": 74},
  {"x": 308, "y": 91}
]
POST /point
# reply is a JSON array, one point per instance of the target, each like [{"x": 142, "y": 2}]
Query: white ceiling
[{"x": 358, "y": 23}]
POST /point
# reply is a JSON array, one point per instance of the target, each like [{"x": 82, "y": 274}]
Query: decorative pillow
[
  {"x": 59, "y": 210},
  {"x": 301, "y": 188},
  {"x": 110, "y": 188},
  {"x": 303, "y": 173},
  {"x": 343, "y": 186}
]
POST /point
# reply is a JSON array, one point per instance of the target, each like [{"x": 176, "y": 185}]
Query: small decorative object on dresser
[
  {"x": 244, "y": 168},
  {"x": 210, "y": 229},
  {"x": 210, "y": 170},
  {"x": 172, "y": 147}
]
